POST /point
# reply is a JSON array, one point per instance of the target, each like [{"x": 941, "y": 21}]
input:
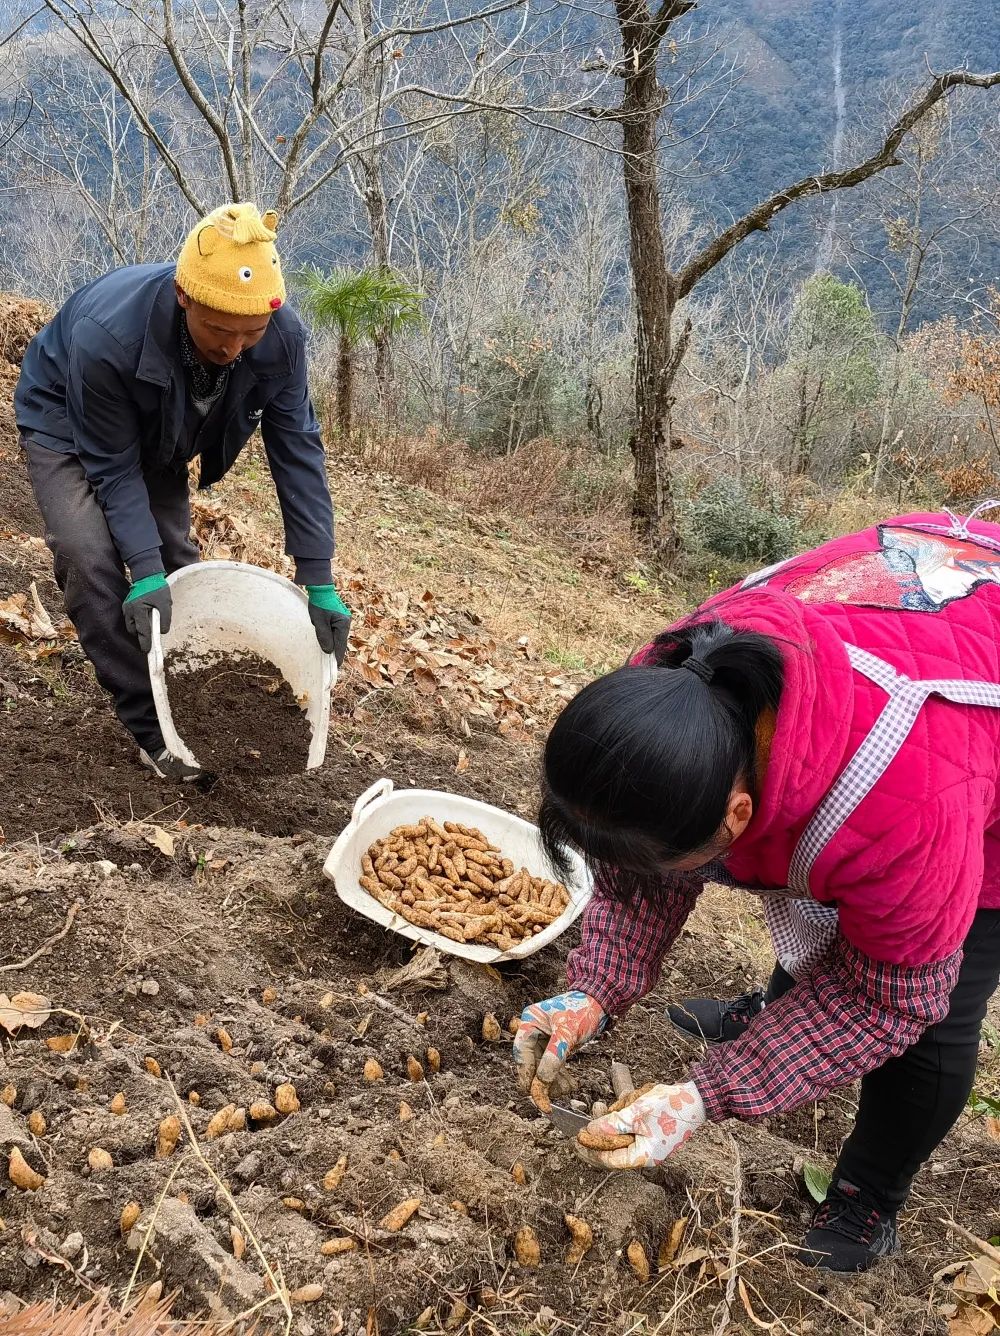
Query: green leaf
[
  {"x": 817, "y": 1181},
  {"x": 984, "y": 1104}
]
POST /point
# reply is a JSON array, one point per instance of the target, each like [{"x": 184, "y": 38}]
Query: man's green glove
[
  {"x": 331, "y": 619},
  {"x": 143, "y": 597}
]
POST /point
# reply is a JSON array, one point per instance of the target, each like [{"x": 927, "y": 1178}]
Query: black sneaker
[
  {"x": 714, "y": 1019},
  {"x": 167, "y": 766},
  {"x": 849, "y": 1231}
]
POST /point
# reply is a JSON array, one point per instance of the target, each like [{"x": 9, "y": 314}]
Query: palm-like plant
[{"x": 362, "y": 304}]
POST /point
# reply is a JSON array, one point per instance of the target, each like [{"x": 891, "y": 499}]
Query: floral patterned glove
[
  {"x": 551, "y": 1031},
  {"x": 647, "y": 1128}
]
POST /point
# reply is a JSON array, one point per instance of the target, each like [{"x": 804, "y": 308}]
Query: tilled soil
[
  {"x": 237, "y": 714},
  {"x": 168, "y": 960}
]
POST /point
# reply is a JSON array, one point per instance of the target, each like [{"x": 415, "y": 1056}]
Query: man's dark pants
[{"x": 92, "y": 577}]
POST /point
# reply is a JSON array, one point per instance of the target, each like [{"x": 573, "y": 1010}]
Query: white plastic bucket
[
  {"x": 382, "y": 807},
  {"x": 231, "y": 607}
]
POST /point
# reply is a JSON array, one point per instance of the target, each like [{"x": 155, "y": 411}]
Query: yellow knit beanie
[{"x": 230, "y": 264}]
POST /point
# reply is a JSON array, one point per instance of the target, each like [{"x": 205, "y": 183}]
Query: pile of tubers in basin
[{"x": 451, "y": 879}]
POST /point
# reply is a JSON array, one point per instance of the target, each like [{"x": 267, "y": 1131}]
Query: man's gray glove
[
  {"x": 143, "y": 597},
  {"x": 331, "y": 618}
]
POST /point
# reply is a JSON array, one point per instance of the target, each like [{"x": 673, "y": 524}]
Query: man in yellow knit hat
[{"x": 140, "y": 372}]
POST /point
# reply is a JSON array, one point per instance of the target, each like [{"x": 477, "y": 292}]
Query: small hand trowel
[{"x": 569, "y": 1122}]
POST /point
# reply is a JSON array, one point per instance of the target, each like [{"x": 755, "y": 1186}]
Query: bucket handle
[{"x": 378, "y": 791}]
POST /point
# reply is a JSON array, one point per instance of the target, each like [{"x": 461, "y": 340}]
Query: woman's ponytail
[{"x": 640, "y": 766}]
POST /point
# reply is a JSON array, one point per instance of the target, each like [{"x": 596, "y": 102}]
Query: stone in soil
[{"x": 237, "y": 713}]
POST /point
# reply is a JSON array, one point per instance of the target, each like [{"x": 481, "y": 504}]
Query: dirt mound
[{"x": 20, "y": 321}]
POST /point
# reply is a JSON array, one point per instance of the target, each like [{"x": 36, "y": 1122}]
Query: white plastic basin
[
  {"x": 231, "y": 607},
  {"x": 382, "y": 807}
]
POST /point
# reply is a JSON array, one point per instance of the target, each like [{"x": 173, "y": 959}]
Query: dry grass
[{"x": 580, "y": 594}]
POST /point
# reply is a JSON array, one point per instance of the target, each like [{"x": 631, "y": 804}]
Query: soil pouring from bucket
[{"x": 237, "y": 713}]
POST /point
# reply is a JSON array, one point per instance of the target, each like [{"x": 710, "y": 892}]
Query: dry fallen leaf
[
  {"x": 462, "y": 764},
  {"x": 993, "y": 1128},
  {"x": 63, "y": 1043},
  {"x": 162, "y": 840},
  {"x": 27, "y": 1010}
]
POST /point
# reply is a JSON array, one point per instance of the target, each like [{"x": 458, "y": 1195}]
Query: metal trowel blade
[{"x": 568, "y": 1121}]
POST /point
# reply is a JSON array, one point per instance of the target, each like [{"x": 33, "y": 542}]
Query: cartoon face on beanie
[{"x": 229, "y": 262}]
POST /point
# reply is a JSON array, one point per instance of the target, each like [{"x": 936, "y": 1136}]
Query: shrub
[{"x": 727, "y": 519}]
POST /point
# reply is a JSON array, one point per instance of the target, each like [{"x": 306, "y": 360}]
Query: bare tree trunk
[
  {"x": 373, "y": 194},
  {"x": 345, "y": 387},
  {"x": 653, "y": 516}
]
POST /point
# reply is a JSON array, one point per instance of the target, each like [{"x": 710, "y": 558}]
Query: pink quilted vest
[{"x": 921, "y": 852}]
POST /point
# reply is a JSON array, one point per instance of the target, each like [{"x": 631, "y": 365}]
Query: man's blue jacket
[{"x": 105, "y": 381}]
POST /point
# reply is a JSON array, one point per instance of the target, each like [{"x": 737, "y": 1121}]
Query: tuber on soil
[
  {"x": 239, "y": 1243},
  {"x": 194, "y": 1098},
  {"x": 130, "y": 1214},
  {"x": 21, "y": 1174},
  {"x": 285, "y": 1098},
  {"x": 582, "y": 1239},
  {"x": 224, "y": 1039},
  {"x": 306, "y": 1294},
  {"x": 373, "y": 1071},
  {"x": 540, "y": 1096},
  {"x": 400, "y": 1215},
  {"x": 451, "y": 879},
  {"x": 334, "y": 1177},
  {"x": 8, "y": 1095},
  {"x": 99, "y": 1160},
  {"x": 153, "y": 1067},
  {"x": 517, "y": 1173},
  {"x": 405, "y": 1112},
  {"x": 36, "y": 1123},
  {"x": 638, "y": 1261},
  {"x": 268, "y": 996},
  {"x": 219, "y": 1122},
  {"x": 433, "y": 1060},
  {"x": 167, "y": 1136},
  {"x": 491, "y": 1028},
  {"x": 460, "y": 1207},
  {"x": 237, "y": 1120},
  {"x": 414, "y": 1070},
  {"x": 670, "y": 1243},
  {"x": 334, "y": 1247},
  {"x": 526, "y": 1248},
  {"x": 262, "y": 1112}
]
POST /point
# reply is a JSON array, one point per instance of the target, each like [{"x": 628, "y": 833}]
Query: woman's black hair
[{"x": 639, "y": 767}]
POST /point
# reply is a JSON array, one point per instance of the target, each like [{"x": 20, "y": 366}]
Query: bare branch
[
  {"x": 199, "y": 100},
  {"x": 760, "y": 218}
]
